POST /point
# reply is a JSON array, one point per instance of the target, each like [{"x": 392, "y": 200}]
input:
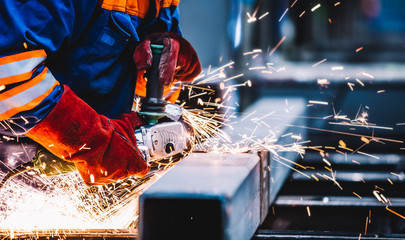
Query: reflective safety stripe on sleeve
[
  {"x": 27, "y": 95},
  {"x": 19, "y": 67},
  {"x": 137, "y": 8}
]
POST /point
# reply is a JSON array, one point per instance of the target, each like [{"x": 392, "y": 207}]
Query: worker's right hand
[
  {"x": 104, "y": 150},
  {"x": 179, "y": 61}
]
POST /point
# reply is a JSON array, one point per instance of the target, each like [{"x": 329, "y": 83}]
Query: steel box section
[
  {"x": 206, "y": 196},
  {"x": 282, "y": 114}
]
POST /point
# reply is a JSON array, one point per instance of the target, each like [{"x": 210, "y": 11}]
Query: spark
[
  {"x": 361, "y": 83},
  {"x": 247, "y": 116},
  {"x": 350, "y": 85},
  {"x": 257, "y": 68},
  {"x": 396, "y": 174},
  {"x": 367, "y": 75},
  {"x": 359, "y": 49},
  {"x": 327, "y": 162},
  {"x": 214, "y": 77},
  {"x": 262, "y": 16},
  {"x": 237, "y": 76},
  {"x": 316, "y": 64},
  {"x": 369, "y": 155},
  {"x": 378, "y": 196},
  {"x": 316, "y": 7},
  {"x": 23, "y": 118},
  {"x": 197, "y": 87},
  {"x": 337, "y": 68},
  {"x": 318, "y": 102},
  {"x": 360, "y": 125},
  {"x": 357, "y": 195},
  {"x": 282, "y": 16},
  {"x": 302, "y": 14},
  {"x": 199, "y": 94},
  {"x": 392, "y": 211},
  {"x": 337, "y": 4},
  {"x": 323, "y": 81},
  {"x": 294, "y": 169},
  {"x": 25, "y": 45},
  {"x": 223, "y": 67},
  {"x": 278, "y": 45},
  {"x": 252, "y": 52},
  {"x": 309, "y": 212},
  {"x": 285, "y": 135},
  {"x": 91, "y": 178},
  {"x": 84, "y": 147},
  {"x": 381, "y": 91},
  {"x": 365, "y": 228},
  {"x": 251, "y": 18},
  {"x": 389, "y": 180},
  {"x": 317, "y": 179},
  {"x": 292, "y": 5},
  {"x": 296, "y": 137}
]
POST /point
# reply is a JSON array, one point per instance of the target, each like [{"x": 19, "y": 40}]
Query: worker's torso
[{"x": 99, "y": 65}]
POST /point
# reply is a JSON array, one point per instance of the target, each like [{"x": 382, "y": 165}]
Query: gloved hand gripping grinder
[{"x": 159, "y": 140}]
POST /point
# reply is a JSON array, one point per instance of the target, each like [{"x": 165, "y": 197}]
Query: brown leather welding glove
[
  {"x": 179, "y": 61},
  {"x": 104, "y": 150}
]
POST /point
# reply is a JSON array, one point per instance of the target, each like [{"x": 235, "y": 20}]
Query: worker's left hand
[{"x": 179, "y": 61}]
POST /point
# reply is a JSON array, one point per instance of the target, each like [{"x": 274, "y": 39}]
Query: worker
[{"x": 68, "y": 72}]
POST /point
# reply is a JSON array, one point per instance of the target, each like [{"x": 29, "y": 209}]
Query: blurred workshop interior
[
  {"x": 294, "y": 130},
  {"x": 345, "y": 61}
]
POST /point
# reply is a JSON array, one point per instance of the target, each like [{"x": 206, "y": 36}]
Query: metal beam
[{"x": 207, "y": 196}]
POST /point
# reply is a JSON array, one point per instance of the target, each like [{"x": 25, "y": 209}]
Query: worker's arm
[
  {"x": 29, "y": 32},
  {"x": 104, "y": 150}
]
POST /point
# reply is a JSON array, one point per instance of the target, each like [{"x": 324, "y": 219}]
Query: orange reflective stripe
[
  {"x": 140, "y": 89},
  {"x": 168, "y": 3},
  {"x": 137, "y": 8},
  {"x": 169, "y": 93},
  {"x": 24, "y": 86},
  {"x": 16, "y": 78},
  {"x": 165, "y": 4},
  {"x": 27, "y": 106},
  {"x": 172, "y": 98},
  {"x": 22, "y": 56}
]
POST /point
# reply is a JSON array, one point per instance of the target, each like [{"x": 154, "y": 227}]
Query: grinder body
[{"x": 159, "y": 140}]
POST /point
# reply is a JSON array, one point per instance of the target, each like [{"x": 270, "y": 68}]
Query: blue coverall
[{"x": 85, "y": 44}]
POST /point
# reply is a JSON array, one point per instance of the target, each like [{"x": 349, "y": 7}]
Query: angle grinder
[{"x": 166, "y": 135}]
